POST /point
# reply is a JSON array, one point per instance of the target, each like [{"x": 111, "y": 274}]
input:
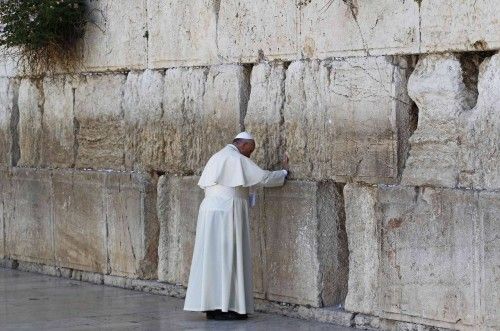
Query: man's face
[{"x": 247, "y": 148}]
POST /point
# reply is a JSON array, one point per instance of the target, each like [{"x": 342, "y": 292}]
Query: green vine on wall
[{"x": 42, "y": 34}]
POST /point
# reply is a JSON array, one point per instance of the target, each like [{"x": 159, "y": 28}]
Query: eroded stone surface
[
  {"x": 412, "y": 253},
  {"x": 264, "y": 116},
  {"x": 178, "y": 201},
  {"x": 489, "y": 217},
  {"x": 202, "y": 113},
  {"x": 101, "y": 133},
  {"x": 182, "y": 33},
  {"x": 8, "y": 120},
  {"x": 459, "y": 25},
  {"x": 58, "y": 122},
  {"x": 333, "y": 129},
  {"x": 80, "y": 221},
  {"x": 30, "y": 105},
  {"x": 262, "y": 28},
  {"x": 303, "y": 226},
  {"x": 143, "y": 109},
  {"x": 132, "y": 225},
  {"x": 29, "y": 217},
  {"x": 116, "y": 35},
  {"x": 456, "y": 142},
  {"x": 346, "y": 28}
]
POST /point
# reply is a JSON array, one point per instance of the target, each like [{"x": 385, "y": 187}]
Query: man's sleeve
[{"x": 274, "y": 178}]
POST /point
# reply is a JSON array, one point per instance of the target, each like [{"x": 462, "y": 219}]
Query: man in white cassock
[{"x": 220, "y": 281}]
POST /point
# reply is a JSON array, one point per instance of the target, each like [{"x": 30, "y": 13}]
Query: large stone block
[
  {"x": 210, "y": 104},
  {"x": 58, "y": 122},
  {"x": 29, "y": 217},
  {"x": 182, "y": 33},
  {"x": 132, "y": 225},
  {"x": 346, "y": 28},
  {"x": 249, "y": 30},
  {"x": 30, "y": 105},
  {"x": 225, "y": 103},
  {"x": 80, "y": 221},
  {"x": 489, "y": 220},
  {"x": 178, "y": 202},
  {"x": 4, "y": 195},
  {"x": 347, "y": 119},
  {"x": 459, "y": 25},
  {"x": 99, "y": 115},
  {"x": 9, "y": 116},
  {"x": 418, "y": 254},
  {"x": 457, "y": 138},
  {"x": 116, "y": 35},
  {"x": 143, "y": 110},
  {"x": 264, "y": 116},
  {"x": 305, "y": 244}
]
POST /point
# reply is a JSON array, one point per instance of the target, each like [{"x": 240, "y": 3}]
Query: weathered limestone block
[
  {"x": 456, "y": 142},
  {"x": 9, "y": 115},
  {"x": 132, "y": 225},
  {"x": 178, "y": 202},
  {"x": 225, "y": 100},
  {"x": 363, "y": 242},
  {"x": 347, "y": 28},
  {"x": 58, "y": 122},
  {"x": 459, "y": 25},
  {"x": 4, "y": 196},
  {"x": 143, "y": 109},
  {"x": 489, "y": 206},
  {"x": 480, "y": 155},
  {"x": 346, "y": 119},
  {"x": 99, "y": 115},
  {"x": 80, "y": 220},
  {"x": 116, "y": 35},
  {"x": 264, "y": 116},
  {"x": 437, "y": 88},
  {"x": 182, "y": 33},
  {"x": 30, "y": 105},
  {"x": 306, "y": 246},
  {"x": 251, "y": 29},
  {"x": 182, "y": 100},
  {"x": 416, "y": 254},
  {"x": 29, "y": 217},
  {"x": 202, "y": 112}
]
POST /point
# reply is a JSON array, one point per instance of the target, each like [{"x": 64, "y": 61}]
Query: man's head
[{"x": 245, "y": 143}]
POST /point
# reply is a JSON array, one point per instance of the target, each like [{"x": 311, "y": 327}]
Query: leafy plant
[{"x": 42, "y": 33}]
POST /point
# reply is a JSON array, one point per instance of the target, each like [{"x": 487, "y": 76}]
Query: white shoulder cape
[{"x": 229, "y": 167}]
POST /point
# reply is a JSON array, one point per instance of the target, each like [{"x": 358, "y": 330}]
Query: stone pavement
[{"x": 36, "y": 302}]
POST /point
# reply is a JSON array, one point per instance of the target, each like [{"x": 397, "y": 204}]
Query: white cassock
[{"x": 221, "y": 269}]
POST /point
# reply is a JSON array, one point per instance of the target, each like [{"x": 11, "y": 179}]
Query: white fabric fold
[{"x": 229, "y": 167}]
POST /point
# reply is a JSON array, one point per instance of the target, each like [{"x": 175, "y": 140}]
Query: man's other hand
[{"x": 284, "y": 162}]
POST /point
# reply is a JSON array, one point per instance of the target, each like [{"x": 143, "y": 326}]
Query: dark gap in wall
[
  {"x": 15, "y": 151},
  {"x": 470, "y": 63},
  {"x": 407, "y": 116},
  {"x": 245, "y": 90}
]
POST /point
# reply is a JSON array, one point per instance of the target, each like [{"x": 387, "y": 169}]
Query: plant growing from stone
[{"x": 42, "y": 34}]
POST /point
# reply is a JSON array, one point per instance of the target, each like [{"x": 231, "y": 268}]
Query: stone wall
[
  {"x": 84, "y": 220},
  {"x": 389, "y": 112}
]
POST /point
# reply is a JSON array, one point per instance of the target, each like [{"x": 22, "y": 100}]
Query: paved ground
[{"x": 36, "y": 302}]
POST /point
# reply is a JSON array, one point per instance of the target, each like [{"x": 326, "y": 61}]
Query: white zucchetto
[{"x": 244, "y": 135}]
